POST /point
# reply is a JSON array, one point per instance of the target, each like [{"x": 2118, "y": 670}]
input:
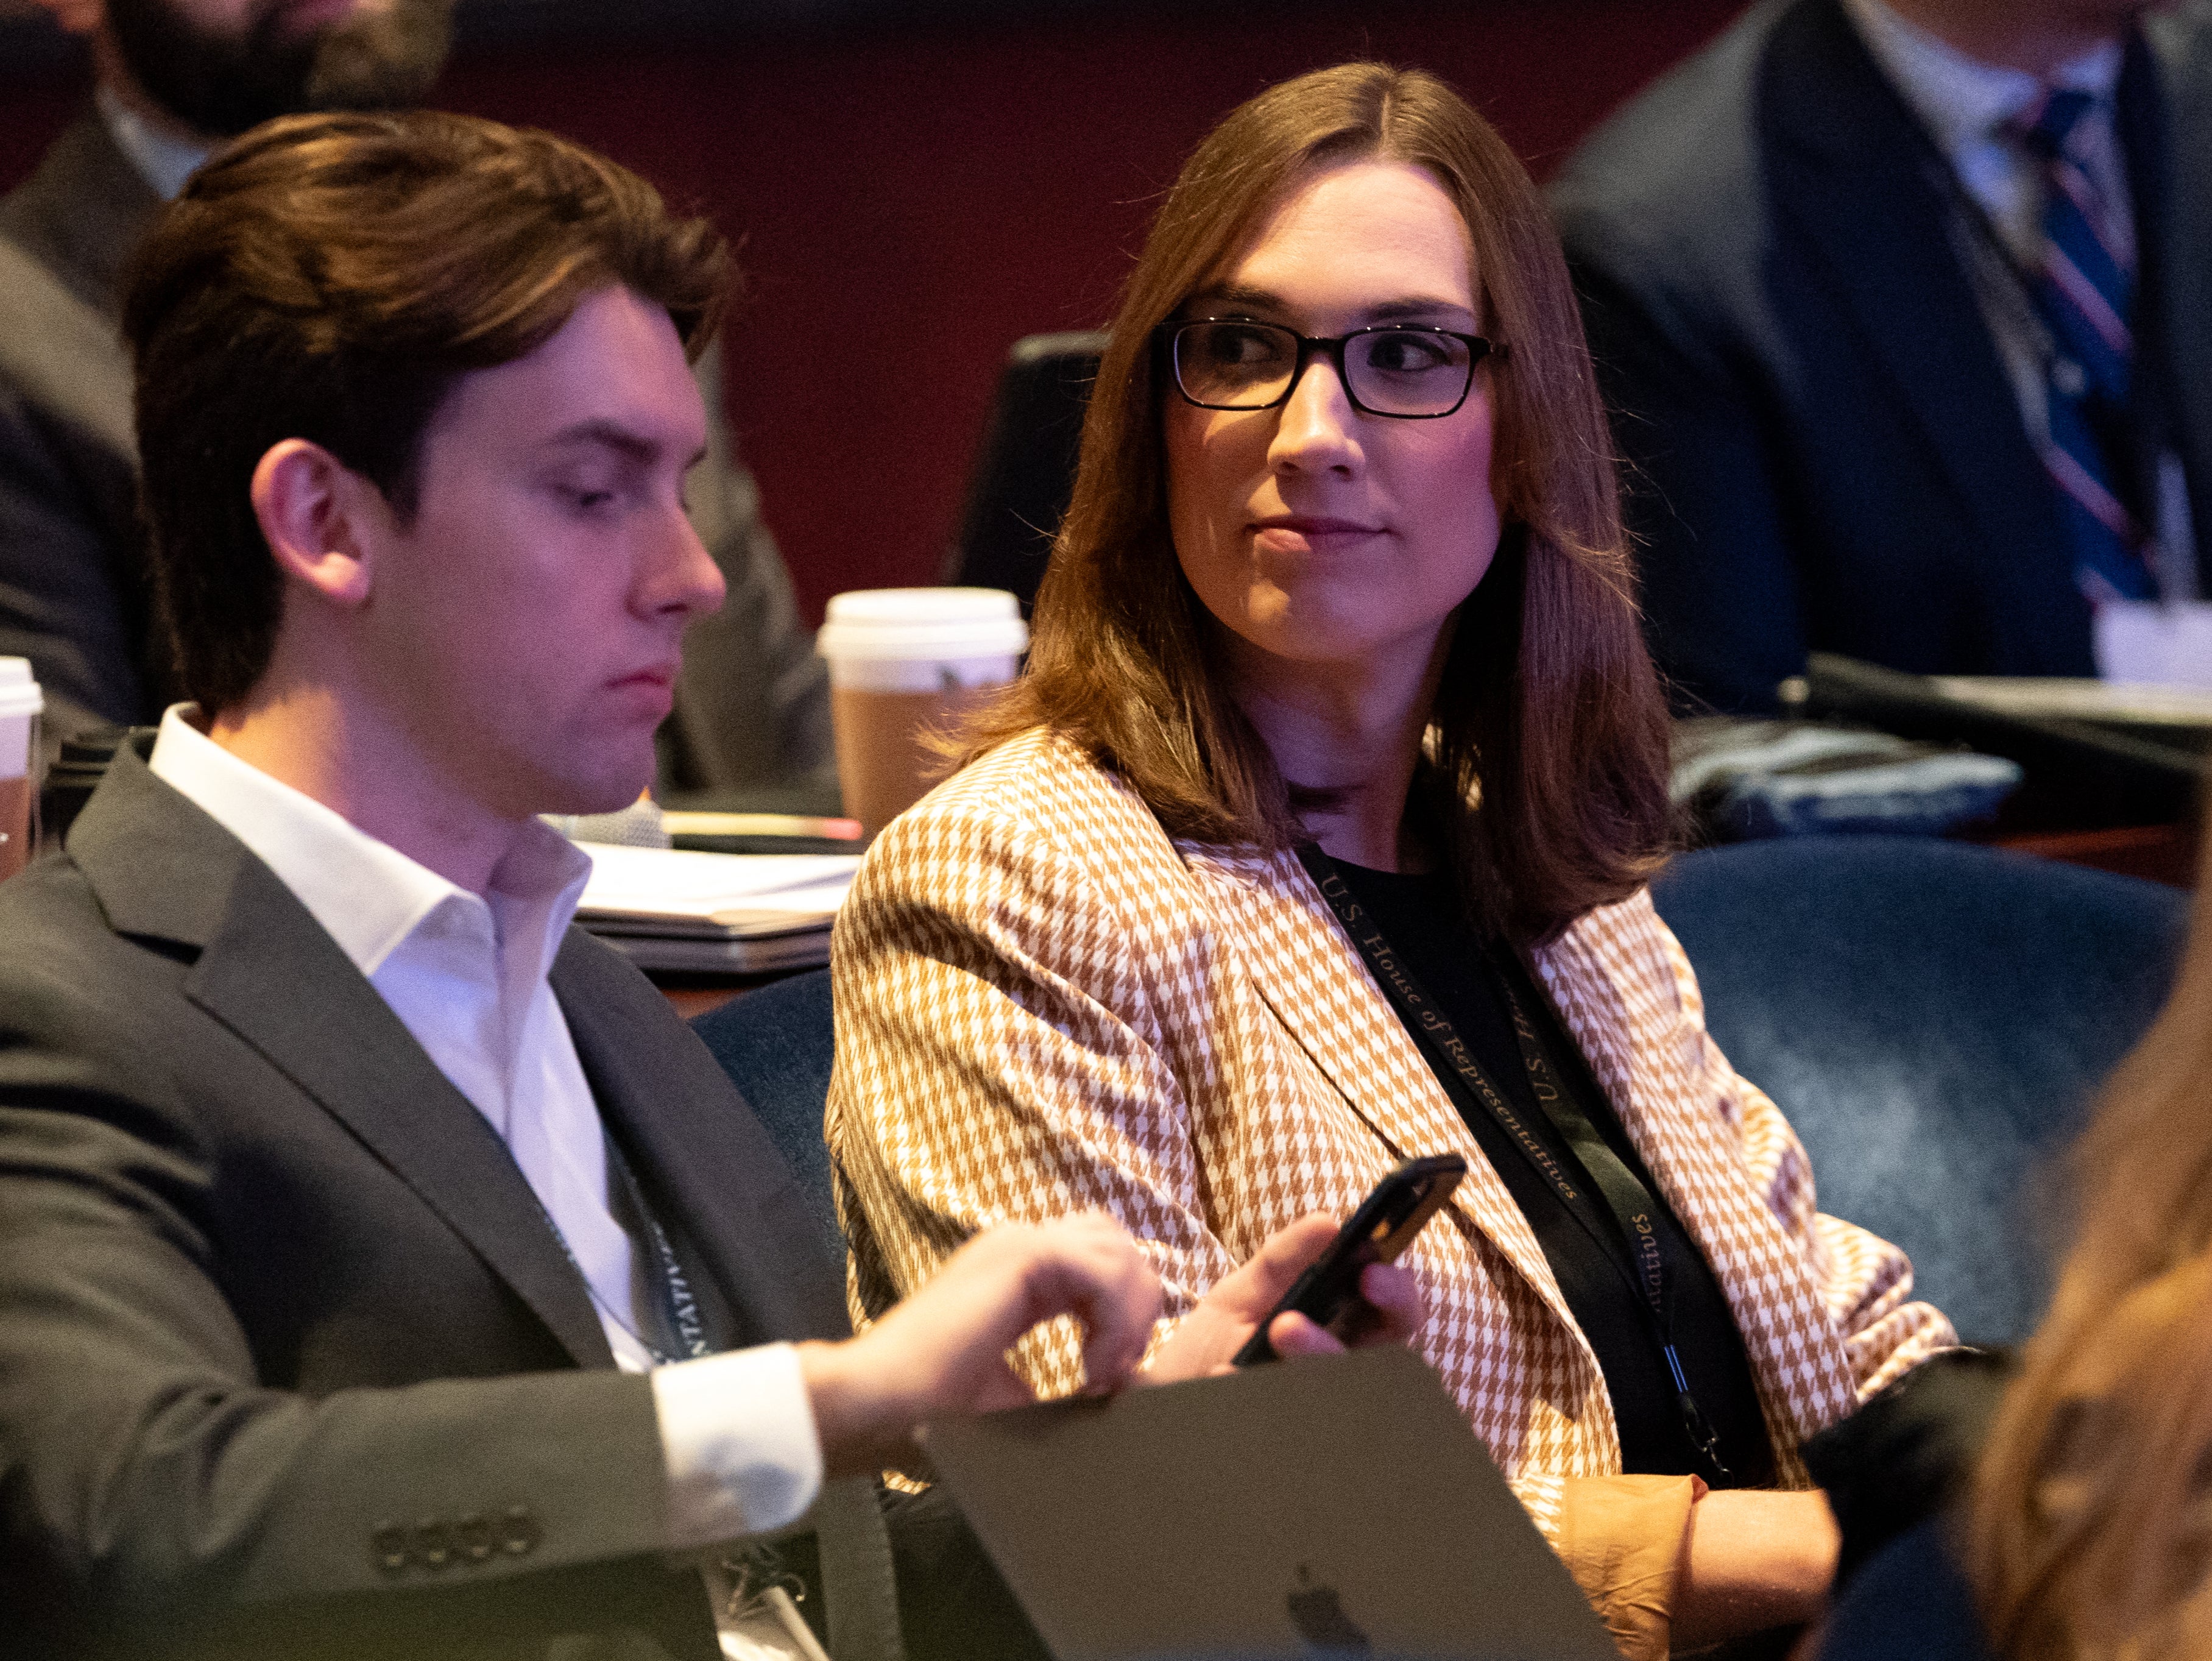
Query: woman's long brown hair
[
  {"x": 1548, "y": 742},
  {"x": 2090, "y": 1530}
]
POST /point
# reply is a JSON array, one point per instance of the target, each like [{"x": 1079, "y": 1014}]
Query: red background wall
[{"x": 931, "y": 194}]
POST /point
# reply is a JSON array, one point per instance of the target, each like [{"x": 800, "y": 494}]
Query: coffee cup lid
[
  {"x": 908, "y": 624},
  {"x": 19, "y": 693}
]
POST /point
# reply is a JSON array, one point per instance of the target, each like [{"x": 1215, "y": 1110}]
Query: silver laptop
[{"x": 1338, "y": 1505}]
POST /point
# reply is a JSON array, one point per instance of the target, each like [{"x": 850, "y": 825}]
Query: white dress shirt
[
  {"x": 163, "y": 162},
  {"x": 1966, "y": 106},
  {"x": 467, "y": 974}
]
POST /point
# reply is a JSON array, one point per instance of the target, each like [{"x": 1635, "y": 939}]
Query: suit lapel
[
  {"x": 1316, "y": 985},
  {"x": 1850, "y": 166},
  {"x": 697, "y": 1149},
  {"x": 83, "y": 211},
  {"x": 268, "y": 973}
]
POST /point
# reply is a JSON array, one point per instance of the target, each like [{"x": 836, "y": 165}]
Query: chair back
[
  {"x": 1934, "y": 1018},
  {"x": 775, "y": 1043},
  {"x": 1026, "y": 471}
]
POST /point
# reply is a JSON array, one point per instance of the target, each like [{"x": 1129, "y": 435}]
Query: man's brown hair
[
  {"x": 1548, "y": 744},
  {"x": 329, "y": 278}
]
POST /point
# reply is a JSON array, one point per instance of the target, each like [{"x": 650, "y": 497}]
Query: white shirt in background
[
  {"x": 1966, "y": 106},
  {"x": 164, "y": 161}
]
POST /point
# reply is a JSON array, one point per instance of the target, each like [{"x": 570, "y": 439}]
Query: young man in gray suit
[
  {"x": 385, "y": 1270},
  {"x": 175, "y": 77}
]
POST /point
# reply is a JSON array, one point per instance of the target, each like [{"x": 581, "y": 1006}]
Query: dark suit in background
[
  {"x": 288, "y": 1338},
  {"x": 74, "y": 583},
  {"x": 752, "y": 705},
  {"x": 1826, "y": 451}
]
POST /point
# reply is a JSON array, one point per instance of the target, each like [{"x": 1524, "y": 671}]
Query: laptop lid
[{"x": 1339, "y": 1503}]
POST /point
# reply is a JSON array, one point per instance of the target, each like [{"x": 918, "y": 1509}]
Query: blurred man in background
[
  {"x": 173, "y": 79},
  {"x": 1904, "y": 308}
]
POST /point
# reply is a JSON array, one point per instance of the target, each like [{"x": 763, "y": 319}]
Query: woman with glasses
[{"x": 1316, "y": 838}]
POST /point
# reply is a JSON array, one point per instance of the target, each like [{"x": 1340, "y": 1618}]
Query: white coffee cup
[
  {"x": 20, "y": 702},
  {"x": 905, "y": 662}
]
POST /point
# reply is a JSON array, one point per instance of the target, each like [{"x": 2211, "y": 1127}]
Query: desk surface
[
  {"x": 693, "y": 995},
  {"x": 2163, "y": 853}
]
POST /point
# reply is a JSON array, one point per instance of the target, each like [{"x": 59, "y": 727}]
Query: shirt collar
[
  {"x": 366, "y": 895},
  {"x": 1963, "y": 101},
  {"x": 163, "y": 161}
]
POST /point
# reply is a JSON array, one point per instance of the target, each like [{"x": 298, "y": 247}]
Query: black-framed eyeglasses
[{"x": 1409, "y": 371}]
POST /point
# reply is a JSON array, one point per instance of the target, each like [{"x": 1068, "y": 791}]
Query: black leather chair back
[{"x": 1026, "y": 470}]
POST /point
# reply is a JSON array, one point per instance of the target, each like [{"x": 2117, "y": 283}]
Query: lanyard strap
[
  {"x": 675, "y": 1302},
  {"x": 679, "y": 1305},
  {"x": 1626, "y": 1234}
]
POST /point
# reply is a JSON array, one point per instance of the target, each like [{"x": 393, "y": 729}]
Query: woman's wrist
[{"x": 1753, "y": 1559}]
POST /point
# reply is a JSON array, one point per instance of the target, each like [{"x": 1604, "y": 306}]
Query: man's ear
[{"x": 320, "y": 518}]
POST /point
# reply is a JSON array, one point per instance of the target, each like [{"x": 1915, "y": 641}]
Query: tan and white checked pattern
[{"x": 1044, "y": 1005}]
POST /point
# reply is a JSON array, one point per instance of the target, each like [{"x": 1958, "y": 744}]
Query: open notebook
[{"x": 672, "y": 909}]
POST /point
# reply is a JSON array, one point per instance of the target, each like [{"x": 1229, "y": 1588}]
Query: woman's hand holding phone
[{"x": 1207, "y": 1340}]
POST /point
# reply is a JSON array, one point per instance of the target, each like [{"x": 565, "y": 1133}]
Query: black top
[{"x": 1423, "y": 924}]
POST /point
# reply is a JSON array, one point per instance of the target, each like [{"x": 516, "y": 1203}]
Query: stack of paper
[{"x": 744, "y": 913}]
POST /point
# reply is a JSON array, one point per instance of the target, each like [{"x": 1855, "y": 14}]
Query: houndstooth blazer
[{"x": 1044, "y": 1004}]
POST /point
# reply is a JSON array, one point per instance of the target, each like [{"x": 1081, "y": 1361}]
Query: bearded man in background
[{"x": 174, "y": 79}]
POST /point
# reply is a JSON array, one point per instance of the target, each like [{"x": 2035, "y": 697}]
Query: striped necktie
[{"x": 2084, "y": 290}]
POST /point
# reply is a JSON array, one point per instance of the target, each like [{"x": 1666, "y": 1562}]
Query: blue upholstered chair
[
  {"x": 775, "y": 1045},
  {"x": 1933, "y": 1018}
]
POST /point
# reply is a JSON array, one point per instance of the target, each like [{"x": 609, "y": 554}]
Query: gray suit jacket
[
  {"x": 291, "y": 1361},
  {"x": 752, "y": 706}
]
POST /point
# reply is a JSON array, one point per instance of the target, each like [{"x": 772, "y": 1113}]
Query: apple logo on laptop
[{"x": 1317, "y": 1613}]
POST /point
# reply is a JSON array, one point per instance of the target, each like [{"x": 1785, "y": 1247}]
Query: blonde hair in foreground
[{"x": 2090, "y": 1532}]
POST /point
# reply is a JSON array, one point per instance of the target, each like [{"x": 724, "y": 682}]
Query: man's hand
[
  {"x": 942, "y": 1351},
  {"x": 1211, "y": 1333}
]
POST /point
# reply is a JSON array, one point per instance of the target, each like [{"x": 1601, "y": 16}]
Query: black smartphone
[{"x": 1383, "y": 1226}]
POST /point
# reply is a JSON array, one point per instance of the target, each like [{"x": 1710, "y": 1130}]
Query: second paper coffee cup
[{"x": 903, "y": 662}]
